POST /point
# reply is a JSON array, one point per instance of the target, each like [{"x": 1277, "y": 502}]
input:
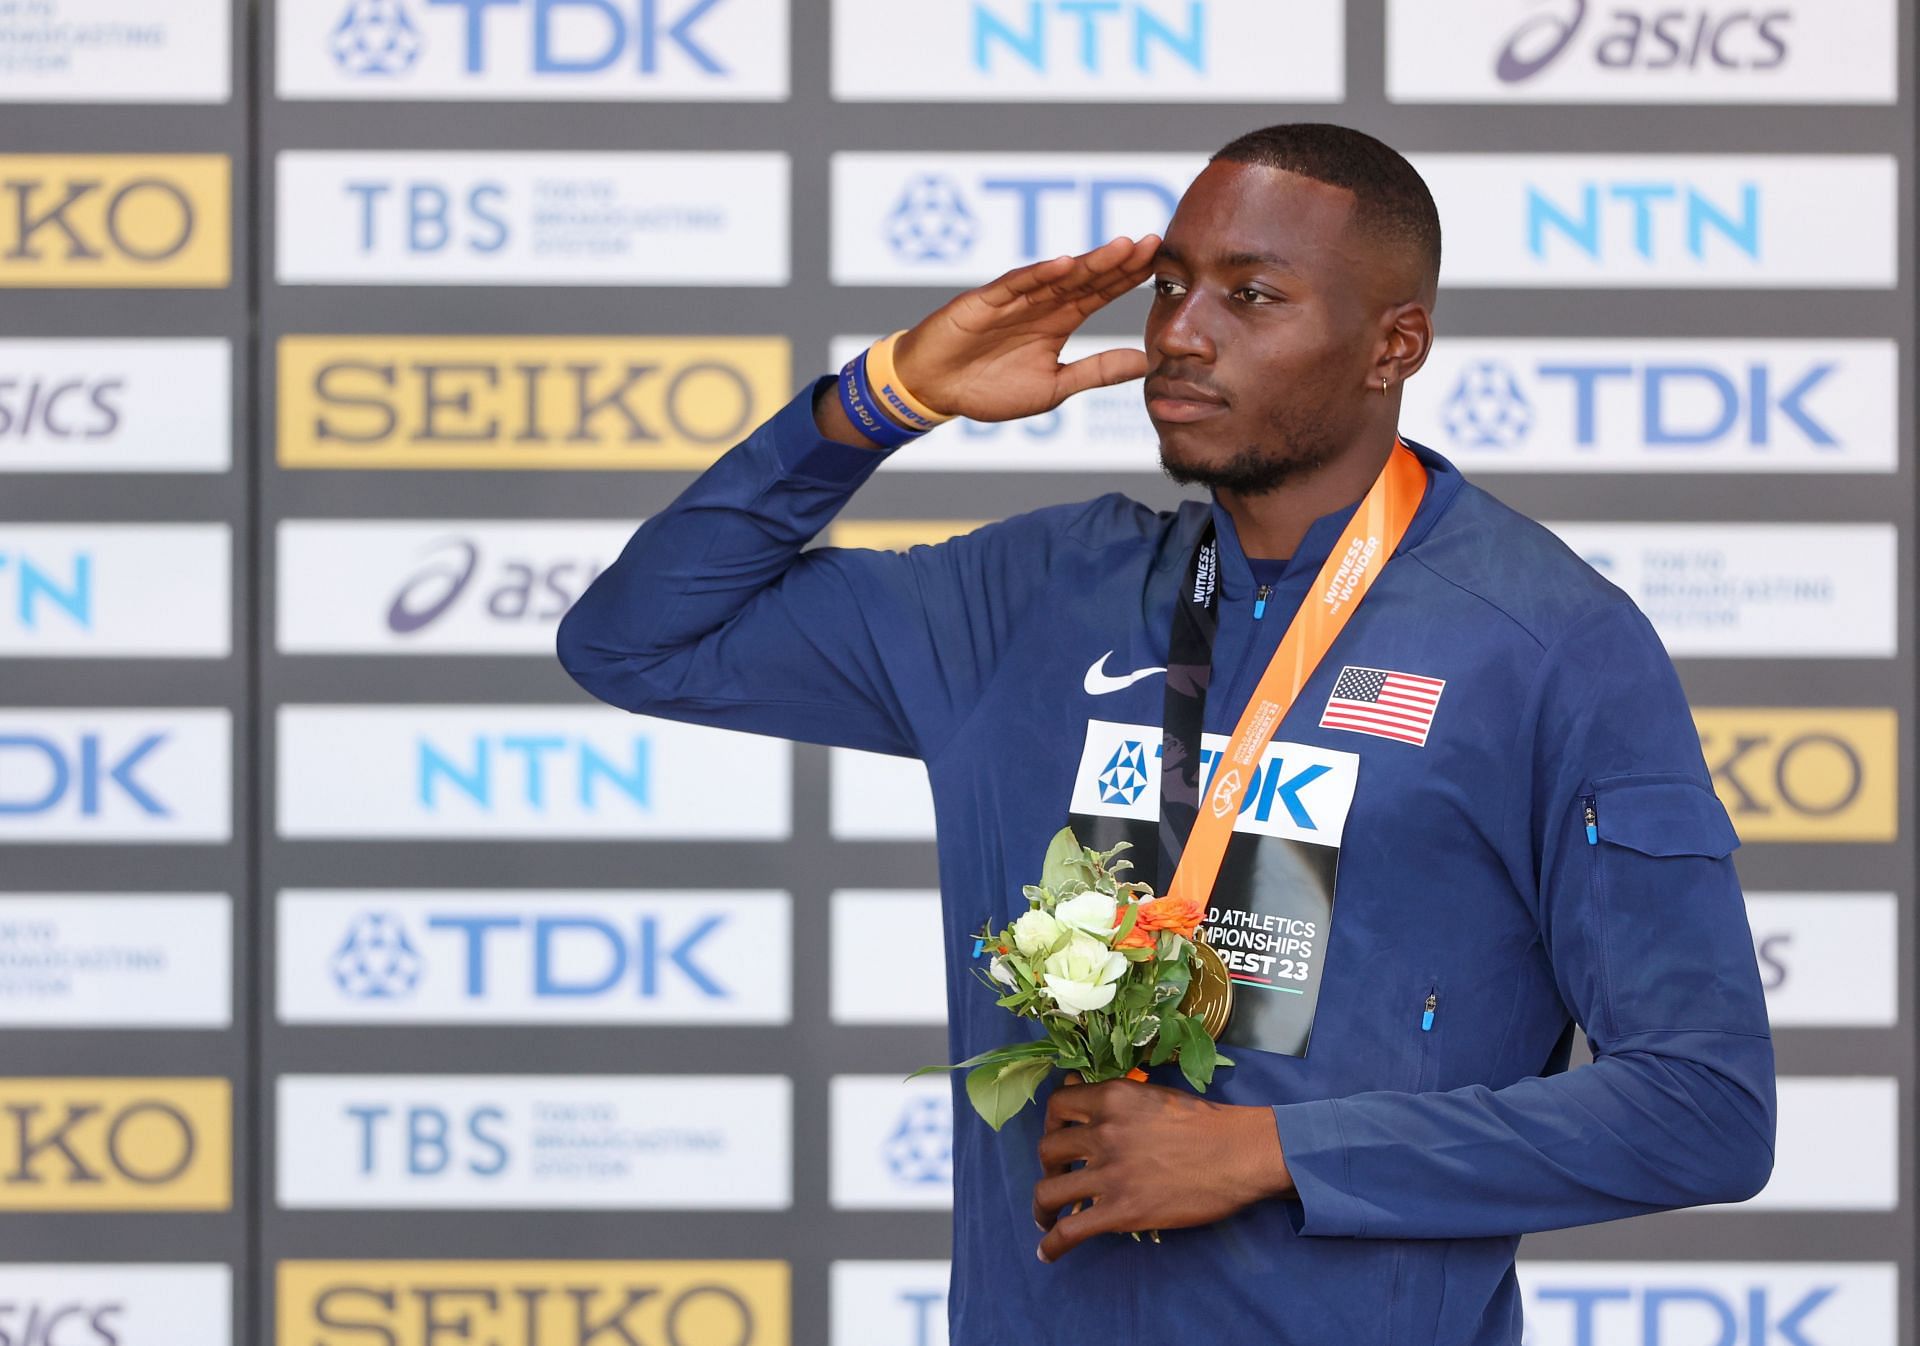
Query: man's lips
[{"x": 1172, "y": 400}]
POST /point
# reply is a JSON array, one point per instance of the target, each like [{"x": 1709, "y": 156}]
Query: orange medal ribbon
[{"x": 1349, "y": 571}]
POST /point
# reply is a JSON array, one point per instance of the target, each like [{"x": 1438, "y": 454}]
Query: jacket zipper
[
  {"x": 1260, "y": 601},
  {"x": 1426, "y": 1017},
  {"x": 1593, "y": 821}
]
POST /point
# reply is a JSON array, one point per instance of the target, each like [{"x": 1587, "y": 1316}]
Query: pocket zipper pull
[
  {"x": 1260, "y": 601},
  {"x": 1593, "y": 823},
  {"x": 1426, "y": 1019}
]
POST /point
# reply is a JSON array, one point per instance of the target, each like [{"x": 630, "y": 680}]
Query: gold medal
[{"x": 1209, "y": 991}]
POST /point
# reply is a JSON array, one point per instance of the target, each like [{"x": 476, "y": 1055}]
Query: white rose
[
  {"x": 1091, "y": 911},
  {"x": 1081, "y": 976},
  {"x": 1001, "y": 973},
  {"x": 1034, "y": 933}
]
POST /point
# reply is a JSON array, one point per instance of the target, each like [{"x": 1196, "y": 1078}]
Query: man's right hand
[{"x": 993, "y": 353}]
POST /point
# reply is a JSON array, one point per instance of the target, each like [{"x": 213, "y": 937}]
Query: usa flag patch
[{"x": 1383, "y": 703}]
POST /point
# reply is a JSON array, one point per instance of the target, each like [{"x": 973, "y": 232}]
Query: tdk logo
[
  {"x": 1680, "y": 405},
  {"x": 40, "y": 773},
  {"x": 385, "y": 38},
  {"x": 1666, "y": 37},
  {"x": 424, "y": 218},
  {"x": 935, "y": 220},
  {"x": 1124, "y": 777},
  {"x": 531, "y": 772},
  {"x": 919, "y": 1149},
  {"x": 1655, "y": 219},
  {"x": 1664, "y": 1315},
  {"x": 36, "y": 594},
  {"x": 1095, "y": 38},
  {"x": 559, "y": 957}
]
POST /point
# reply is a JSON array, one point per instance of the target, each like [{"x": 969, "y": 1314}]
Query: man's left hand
[{"x": 1156, "y": 1158}]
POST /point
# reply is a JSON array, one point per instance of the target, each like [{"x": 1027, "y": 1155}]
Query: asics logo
[{"x": 1099, "y": 681}]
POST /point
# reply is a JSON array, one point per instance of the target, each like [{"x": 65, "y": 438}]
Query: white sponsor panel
[
  {"x": 962, "y": 219},
  {"x": 1102, "y": 430},
  {"x": 1571, "y": 51},
  {"x": 1836, "y": 1146},
  {"x": 1656, "y": 405},
  {"x": 147, "y": 405},
  {"x": 1709, "y": 1303},
  {"x": 538, "y": 50},
  {"x": 535, "y": 1142},
  {"x": 1827, "y": 960},
  {"x": 156, "y": 590},
  {"x": 148, "y": 776},
  {"x": 889, "y": 957},
  {"x": 116, "y": 960},
  {"x": 892, "y": 1146},
  {"x": 1704, "y": 221},
  {"x": 110, "y": 1303},
  {"x": 876, "y": 796},
  {"x": 115, "y": 51},
  {"x": 892, "y": 1303},
  {"x": 1298, "y": 792},
  {"x": 535, "y": 956},
  {"x": 434, "y": 586},
  {"x": 365, "y": 217},
  {"x": 1714, "y": 590},
  {"x": 1133, "y": 51},
  {"x": 524, "y": 771}
]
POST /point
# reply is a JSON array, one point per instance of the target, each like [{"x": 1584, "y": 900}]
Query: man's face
[{"x": 1261, "y": 333}]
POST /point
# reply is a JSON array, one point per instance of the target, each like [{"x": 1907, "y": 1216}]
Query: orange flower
[{"x": 1161, "y": 913}]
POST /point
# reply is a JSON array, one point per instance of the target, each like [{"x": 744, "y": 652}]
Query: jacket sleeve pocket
[{"x": 1667, "y": 902}]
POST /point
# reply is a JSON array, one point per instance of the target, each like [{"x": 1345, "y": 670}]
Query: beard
[{"x": 1300, "y": 444}]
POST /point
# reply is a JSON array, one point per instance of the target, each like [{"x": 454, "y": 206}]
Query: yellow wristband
[{"x": 888, "y": 390}]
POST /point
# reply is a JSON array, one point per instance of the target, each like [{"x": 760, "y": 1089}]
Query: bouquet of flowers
[{"x": 1107, "y": 970}]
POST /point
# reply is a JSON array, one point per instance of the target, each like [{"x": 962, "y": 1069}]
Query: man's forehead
[{"x": 1246, "y": 213}]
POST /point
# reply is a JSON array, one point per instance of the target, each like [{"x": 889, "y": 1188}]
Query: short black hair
[{"x": 1391, "y": 200}]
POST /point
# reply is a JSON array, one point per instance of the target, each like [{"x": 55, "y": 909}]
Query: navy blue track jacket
[{"x": 1553, "y": 855}]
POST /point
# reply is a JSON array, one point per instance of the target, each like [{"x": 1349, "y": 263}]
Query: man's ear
[{"x": 1408, "y": 337}]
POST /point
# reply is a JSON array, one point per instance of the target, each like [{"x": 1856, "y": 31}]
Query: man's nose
[{"x": 1185, "y": 331}]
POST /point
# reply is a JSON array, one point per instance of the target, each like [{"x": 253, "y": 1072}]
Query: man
[{"x": 1494, "y": 757}]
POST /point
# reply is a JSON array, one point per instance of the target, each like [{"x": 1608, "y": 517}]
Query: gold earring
[{"x": 1383, "y": 385}]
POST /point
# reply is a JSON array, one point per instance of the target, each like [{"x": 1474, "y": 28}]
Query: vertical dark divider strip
[{"x": 248, "y": 25}]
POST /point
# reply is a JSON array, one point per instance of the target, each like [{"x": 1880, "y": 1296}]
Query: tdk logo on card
[
  {"x": 920, "y": 218},
  {"x": 1299, "y": 792},
  {"x": 1755, "y": 1304},
  {"x": 1659, "y": 405},
  {"x": 114, "y": 775},
  {"x": 533, "y": 48},
  {"x": 582, "y": 957}
]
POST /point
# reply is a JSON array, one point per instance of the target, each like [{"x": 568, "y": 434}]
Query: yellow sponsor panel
[
  {"x": 481, "y": 1303},
  {"x": 1805, "y": 774},
  {"x": 524, "y": 402},
  {"x": 897, "y": 534},
  {"x": 115, "y": 221},
  {"x": 73, "y": 1144}
]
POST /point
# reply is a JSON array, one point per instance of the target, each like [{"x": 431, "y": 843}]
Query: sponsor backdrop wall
[{"x": 361, "y": 980}]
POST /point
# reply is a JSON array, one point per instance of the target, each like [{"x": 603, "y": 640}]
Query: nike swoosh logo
[{"x": 1099, "y": 681}]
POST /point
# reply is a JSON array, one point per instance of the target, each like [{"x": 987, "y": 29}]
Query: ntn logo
[
  {"x": 1095, "y": 35},
  {"x": 1666, "y": 37},
  {"x": 1655, "y": 214},
  {"x": 38, "y": 588},
  {"x": 564, "y": 37},
  {"x": 1680, "y": 404},
  {"x": 39, "y": 773},
  {"x": 530, "y": 769}
]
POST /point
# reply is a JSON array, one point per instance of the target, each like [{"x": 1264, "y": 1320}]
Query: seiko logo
[{"x": 1099, "y": 682}]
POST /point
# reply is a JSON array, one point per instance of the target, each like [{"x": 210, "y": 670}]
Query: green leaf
[
  {"x": 1164, "y": 1045},
  {"x": 1066, "y": 862},
  {"x": 1126, "y": 925},
  {"x": 1196, "y": 1055},
  {"x": 1001, "y": 1089}
]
